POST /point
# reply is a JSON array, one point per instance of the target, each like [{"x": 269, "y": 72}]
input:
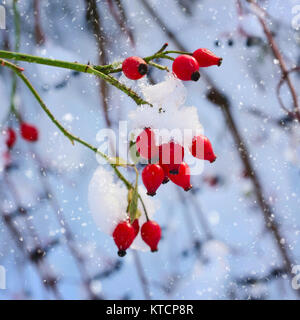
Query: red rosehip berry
[
  {"x": 11, "y": 137},
  {"x": 29, "y": 132},
  {"x": 151, "y": 234},
  {"x": 136, "y": 226},
  {"x": 166, "y": 172},
  {"x": 134, "y": 68},
  {"x": 186, "y": 68},
  {"x": 206, "y": 58},
  {"x": 170, "y": 156},
  {"x": 201, "y": 148},
  {"x": 123, "y": 235},
  {"x": 153, "y": 176},
  {"x": 145, "y": 144},
  {"x": 183, "y": 178}
]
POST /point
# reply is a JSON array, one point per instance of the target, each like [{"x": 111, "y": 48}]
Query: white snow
[{"x": 107, "y": 199}]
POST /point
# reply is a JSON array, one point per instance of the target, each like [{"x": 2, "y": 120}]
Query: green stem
[
  {"x": 162, "y": 49},
  {"x": 164, "y": 56},
  {"x": 158, "y": 66},
  {"x": 178, "y": 52},
  {"x": 85, "y": 68},
  {"x": 45, "y": 61},
  {"x": 144, "y": 207},
  {"x": 113, "y": 81}
]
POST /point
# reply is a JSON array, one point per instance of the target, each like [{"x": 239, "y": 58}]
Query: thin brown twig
[
  {"x": 266, "y": 118},
  {"x": 269, "y": 216},
  {"x": 93, "y": 17},
  {"x": 17, "y": 200},
  {"x": 38, "y": 31},
  {"x": 277, "y": 54},
  {"x": 281, "y": 82},
  {"x": 121, "y": 18},
  {"x": 142, "y": 275},
  {"x": 43, "y": 270}
]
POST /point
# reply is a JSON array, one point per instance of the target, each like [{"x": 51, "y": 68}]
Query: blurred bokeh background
[{"x": 236, "y": 234}]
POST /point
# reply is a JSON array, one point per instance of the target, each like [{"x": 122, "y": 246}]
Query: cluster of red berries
[
  {"x": 166, "y": 160},
  {"x": 28, "y": 132},
  {"x": 125, "y": 233},
  {"x": 185, "y": 67},
  {"x": 169, "y": 166}
]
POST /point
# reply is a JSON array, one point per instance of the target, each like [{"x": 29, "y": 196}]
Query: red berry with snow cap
[
  {"x": 123, "y": 235},
  {"x": 183, "y": 178},
  {"x": 29, "y": 132},
  {"x": 145, "y": 144},
  {"x": 10, "y": 137},
  {"x": 153, "y": 176},
  {"x": 201, "y": 148},
  {"x": 186, "y": 68},
  {"x": 151, "y": 234},
  {"x": 134, "y": 68},
  {"x": 206, "y": 58},
  {"x": 170, "y": 156}
]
